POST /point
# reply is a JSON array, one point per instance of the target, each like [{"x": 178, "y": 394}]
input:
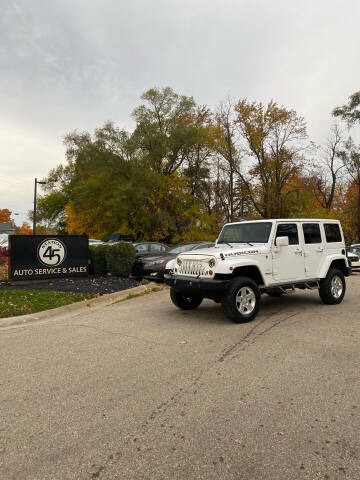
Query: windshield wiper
[{"x": 226, "y": 244}]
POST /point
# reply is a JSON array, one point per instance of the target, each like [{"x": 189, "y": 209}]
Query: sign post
[{"x": 42, "y": 256}]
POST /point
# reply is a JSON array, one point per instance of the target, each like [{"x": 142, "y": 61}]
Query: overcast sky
[{"x": 74, "y": 64}]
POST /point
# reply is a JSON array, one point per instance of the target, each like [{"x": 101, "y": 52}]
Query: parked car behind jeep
[
  {"x": 147, "y": 248},
  {"x": 353, "y": 254}
]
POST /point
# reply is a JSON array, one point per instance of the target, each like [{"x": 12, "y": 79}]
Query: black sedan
[{"x": 152, "y": 267}]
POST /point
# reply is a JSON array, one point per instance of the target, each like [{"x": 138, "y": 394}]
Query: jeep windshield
[{"x": 246, "y": 233}]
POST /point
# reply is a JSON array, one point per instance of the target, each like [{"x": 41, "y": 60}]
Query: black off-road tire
[
  {"x": 184, "y": 301},
  {"x": 229, "y": 303},
  {"x": 326, "y": 291}
]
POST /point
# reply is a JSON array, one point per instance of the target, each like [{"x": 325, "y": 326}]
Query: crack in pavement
[
  {"x": 247, "y": 337},
  {"x": 164, "y": 406},
  {"x": 182, "y": 391}
]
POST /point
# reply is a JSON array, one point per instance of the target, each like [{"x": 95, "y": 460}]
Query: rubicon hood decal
[{"x": 243, "y": 252}]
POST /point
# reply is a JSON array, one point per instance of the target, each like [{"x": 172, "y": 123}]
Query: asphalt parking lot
[{"x": 141, "y": 390}]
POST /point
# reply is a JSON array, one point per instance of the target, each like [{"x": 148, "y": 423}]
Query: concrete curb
[{"x": 102, "y": 301}]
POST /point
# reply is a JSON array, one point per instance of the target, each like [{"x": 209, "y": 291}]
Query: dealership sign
[{"x": 33, "y": 257}]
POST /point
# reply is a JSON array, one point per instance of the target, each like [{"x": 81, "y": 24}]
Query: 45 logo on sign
[{"x": 51, "y": 252}]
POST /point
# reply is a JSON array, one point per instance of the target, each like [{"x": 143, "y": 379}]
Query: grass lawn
[{"x": 21, "y": 302}]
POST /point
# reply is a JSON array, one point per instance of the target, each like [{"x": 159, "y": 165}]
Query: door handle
[
  {"x": 320, "y": 249},
  {"x": 298, "y": 252}
]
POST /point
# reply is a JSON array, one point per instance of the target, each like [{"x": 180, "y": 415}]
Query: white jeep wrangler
[{"x": 262, "y": 256}]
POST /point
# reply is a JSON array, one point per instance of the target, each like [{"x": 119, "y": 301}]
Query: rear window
[
  {"x": 332, "y": 232},
  {"x": 312, "y": 232}
]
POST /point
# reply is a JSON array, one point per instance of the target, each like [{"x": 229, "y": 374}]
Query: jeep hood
[{"x": 228, "y": 252}]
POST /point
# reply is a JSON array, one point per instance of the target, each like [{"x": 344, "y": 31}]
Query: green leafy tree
[
  {"x": 165, "y": 129},
  {"x": 351, "y": 111}
]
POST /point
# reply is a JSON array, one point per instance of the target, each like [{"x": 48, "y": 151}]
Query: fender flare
[
  {"x": 253, "y": 264},
  {"x": 325, "y": 268}
]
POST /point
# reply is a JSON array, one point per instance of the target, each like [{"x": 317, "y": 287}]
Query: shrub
[
  {"x": 98, "y": 259},
  {"x": 4, "y": 253},
  {"x": 3, "y": 269},
  {"x": 120, "y": 259}
]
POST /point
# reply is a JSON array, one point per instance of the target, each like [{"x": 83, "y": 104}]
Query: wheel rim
[
  {"x": 336, "y": 287},
  {"x": 245, "y": 300}
]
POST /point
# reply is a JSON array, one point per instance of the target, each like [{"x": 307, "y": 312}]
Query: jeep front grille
[{"x": 193, "y": 268}]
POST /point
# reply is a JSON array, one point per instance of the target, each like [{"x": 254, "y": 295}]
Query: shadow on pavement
[{"x": 211, "y": 312}]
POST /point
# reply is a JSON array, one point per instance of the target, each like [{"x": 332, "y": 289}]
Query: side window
[
  {"x": 288, "y": 230},
  {"x": 142, "y": 248},
  {"x": 156, "y": 247},
  {"x": 312, "y": 232},
  {"x": 332, "y": 232}
]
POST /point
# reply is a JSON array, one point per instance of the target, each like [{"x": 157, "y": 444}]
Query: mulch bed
[{"x": 93, "y": 284}]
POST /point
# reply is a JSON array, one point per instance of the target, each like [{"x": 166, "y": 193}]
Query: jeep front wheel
[
  {"x": 184, "y": 301},
  {"x": 241, "y": 302},
  {"x": 332, "y": 287}
]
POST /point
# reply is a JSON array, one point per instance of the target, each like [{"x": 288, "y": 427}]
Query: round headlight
[
  {"x": 178, "y": 261},
  {"x": 211, "y": 263}
]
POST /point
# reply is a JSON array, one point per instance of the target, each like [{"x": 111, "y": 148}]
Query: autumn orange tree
[
  {"x": 274, "y": 142},
  {"x": 23, "y": 229},
  {"x": 5, "y": 215}
]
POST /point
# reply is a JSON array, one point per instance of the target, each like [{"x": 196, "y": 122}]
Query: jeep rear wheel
[
  {"x": 241, "y": 302},
  {"x": 332, "y": 287},
  {"x": 184, "y": 301}
]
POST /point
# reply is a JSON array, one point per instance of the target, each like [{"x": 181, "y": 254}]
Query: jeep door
[
  {"x": 288, "y": 261},
  {"x": 313, "y": 249}
]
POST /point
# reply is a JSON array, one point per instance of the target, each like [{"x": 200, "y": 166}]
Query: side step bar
[
  {"x": 290, "y": 287},
  {"x": 287, "y": 289}
]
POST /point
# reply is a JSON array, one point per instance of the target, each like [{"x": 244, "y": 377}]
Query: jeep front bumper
[{"x": 205, "y": 286}]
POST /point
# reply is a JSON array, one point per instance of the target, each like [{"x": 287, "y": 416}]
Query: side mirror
[{"x": 282, "y": 241}]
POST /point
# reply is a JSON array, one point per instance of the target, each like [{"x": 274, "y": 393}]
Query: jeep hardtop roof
[{"x": 272, "y": 220}]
